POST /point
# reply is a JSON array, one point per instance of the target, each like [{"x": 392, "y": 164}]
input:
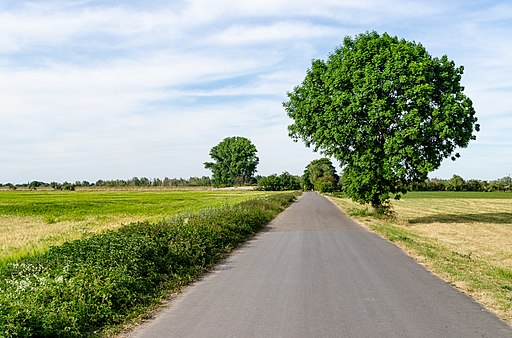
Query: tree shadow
[{"x": 495, "y": 218}]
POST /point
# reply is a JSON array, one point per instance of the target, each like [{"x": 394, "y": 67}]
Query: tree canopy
[
  {"x": 320, "y": 175},
  {"x": 386, "y": 109},
  {"x": 275, "y": 182},
  {"x": 235, "y": 162}
]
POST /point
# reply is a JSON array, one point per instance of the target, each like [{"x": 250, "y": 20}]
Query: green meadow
[{"x": 32, "y": 221}]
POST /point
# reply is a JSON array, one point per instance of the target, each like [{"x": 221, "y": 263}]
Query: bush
[
  {"x": 324, "y": 184},
  {"x": 273, "y": 182},
  {"x": 78, "y": 288}
]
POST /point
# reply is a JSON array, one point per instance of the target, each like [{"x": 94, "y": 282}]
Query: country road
[{"x": 314, "y": 272}]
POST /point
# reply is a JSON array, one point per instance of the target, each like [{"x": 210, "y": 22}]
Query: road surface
[{"x": 316, "y": 273}]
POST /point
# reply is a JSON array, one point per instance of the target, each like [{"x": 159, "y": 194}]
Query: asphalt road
[{"x": 315, "y": 273}]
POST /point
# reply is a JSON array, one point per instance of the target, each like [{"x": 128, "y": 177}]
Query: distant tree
[
  {"x": 456, "y": 183},
  {"x": 144, "y": 182},
  {"x": 322, "y": 175},
  {"x": 386, "y": 109},
  {"x": 203, "y": 181},
  {"x": 285, "y": 181},
  {"x": 306, "y": 181},
  {"x": 36, "y": 184},
  {"x": 156, "y": 182},
  {"x": 505, "y": 182},
  {"x": 235, "y": 162},
  {"x": 474, "y": 185},
  {"x": 289, "y": 182},
  {"x": 67, "y": 186},
  {"x": 269, "y": 183},
  {"x": 501, "y": 184}
]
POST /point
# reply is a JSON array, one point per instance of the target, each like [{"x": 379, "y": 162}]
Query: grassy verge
[
  {"x": 465, "y": 238},
  {"x": 80, "y": 288},
  {"x": 32, "y": 221}
]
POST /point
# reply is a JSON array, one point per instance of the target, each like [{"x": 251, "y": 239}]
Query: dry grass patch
[
  {"x": 481, "y": 228},
  {"x": 466, "y": 238}
]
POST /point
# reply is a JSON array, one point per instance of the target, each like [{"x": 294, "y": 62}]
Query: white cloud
[
  {"x": 111, "y": 90},
  {"x": 275, "y": 32}
]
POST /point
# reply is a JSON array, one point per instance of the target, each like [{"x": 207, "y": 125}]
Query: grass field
[
  {"x": 32, "y": 221},
  {"x": 464, "y": 237}
]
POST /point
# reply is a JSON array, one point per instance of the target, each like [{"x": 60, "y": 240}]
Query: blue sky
[{"x": 115, "y": 89}]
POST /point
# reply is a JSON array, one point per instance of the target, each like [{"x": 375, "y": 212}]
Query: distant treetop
[{"x": 235, "y": 162}]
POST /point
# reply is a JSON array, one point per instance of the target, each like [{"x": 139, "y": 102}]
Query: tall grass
[{"x": 81, "y": 287}]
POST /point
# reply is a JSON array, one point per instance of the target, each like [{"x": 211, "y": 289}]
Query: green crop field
[
  {"x": 464, "y": 237},
  {"x": 32, "y": 221}
]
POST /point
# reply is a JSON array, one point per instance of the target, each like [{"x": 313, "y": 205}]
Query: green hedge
[{"x": 81, "y": 287}]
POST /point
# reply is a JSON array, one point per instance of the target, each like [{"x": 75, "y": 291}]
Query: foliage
[
  {"x": 204, "y": 181},
  {"x": 306, "y": 181},
  {"x": 77, "y": 289},
  {"x": 235, "y": 162},
  {"x": 321, "y": 176},
  {"x": 273, "y": 182},
  {"x": 386, "y": 109},
  {"x": 457, "y": 183}
]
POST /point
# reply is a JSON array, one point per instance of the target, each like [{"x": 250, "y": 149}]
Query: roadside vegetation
[
  {"x": 282, "y": 182},
  {"x": 82, "y": 287},
  {"x": 464, "y": 237},
  {"x": 32, "y": 221}
]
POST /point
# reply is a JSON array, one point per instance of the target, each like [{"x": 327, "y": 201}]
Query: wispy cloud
[
  {"x": 105, "y": 89},
  {"x": 275, "y": 32}
]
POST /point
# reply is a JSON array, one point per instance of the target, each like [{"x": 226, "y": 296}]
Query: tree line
[
  {"x": 457, "y": 183},
  {"x": 320, "y": 175},
  {"x": 145, "y": 182}
]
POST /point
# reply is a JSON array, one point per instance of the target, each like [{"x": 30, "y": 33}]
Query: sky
[{"x": 115, "y": 89}]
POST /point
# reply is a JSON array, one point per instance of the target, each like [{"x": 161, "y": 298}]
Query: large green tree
[
  {"x": 386, "y": 109},
  {"x": 234, "y": 163}
]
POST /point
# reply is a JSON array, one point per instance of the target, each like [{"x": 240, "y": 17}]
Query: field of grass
[
  {"x": 94, "y": 286},
  {"x": 32, "y": 221},
  {"x": 464, "y": 237}
]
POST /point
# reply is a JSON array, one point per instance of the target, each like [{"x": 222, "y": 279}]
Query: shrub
[
  {"x": 273, "y": 182},
  {"x": 78, "y": 288}
]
